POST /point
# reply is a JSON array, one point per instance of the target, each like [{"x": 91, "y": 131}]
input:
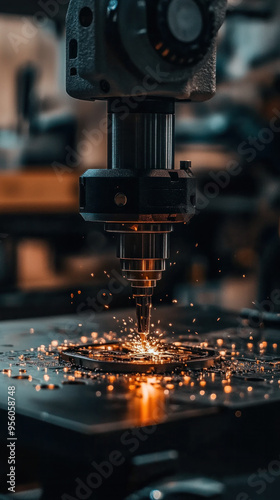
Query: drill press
[{"x": 141, "y": 56}]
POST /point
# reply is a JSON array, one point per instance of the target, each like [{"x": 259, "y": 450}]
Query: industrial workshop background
[{"x": 224, "y": 264}]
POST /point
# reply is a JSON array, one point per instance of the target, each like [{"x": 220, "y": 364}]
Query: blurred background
[{"x": 51, "y": 261}]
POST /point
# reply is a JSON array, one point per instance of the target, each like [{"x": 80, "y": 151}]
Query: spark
[{"x": 227, "y": 389}]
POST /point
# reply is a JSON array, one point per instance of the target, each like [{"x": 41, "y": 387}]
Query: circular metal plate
[{"x": 120, "y": 357}]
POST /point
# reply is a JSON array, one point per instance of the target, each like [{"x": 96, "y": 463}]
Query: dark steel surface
[
  {"x": 21, "y": 349},
  {"x": 68, "y": 417}
]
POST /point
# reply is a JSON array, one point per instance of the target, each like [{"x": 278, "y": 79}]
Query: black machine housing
[{"x": 118, "y": 48}]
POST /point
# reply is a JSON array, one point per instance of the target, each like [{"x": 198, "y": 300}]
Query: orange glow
[
  {"x": 228, "y": 389},
  {"x": 147, "y": 404}
]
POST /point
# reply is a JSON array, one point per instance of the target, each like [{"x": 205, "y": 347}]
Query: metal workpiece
[{"x": 124, "y": 358}]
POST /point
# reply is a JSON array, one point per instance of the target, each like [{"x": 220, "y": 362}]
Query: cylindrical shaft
[{"x": 142, "y": 139}]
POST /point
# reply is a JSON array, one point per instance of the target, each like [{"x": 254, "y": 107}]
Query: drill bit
[{"x": 143, "y": 315}]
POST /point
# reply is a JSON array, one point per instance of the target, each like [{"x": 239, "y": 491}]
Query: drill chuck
[
  {"x": 143, "y": 251},
  {"x": 143, "y": 254}
]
